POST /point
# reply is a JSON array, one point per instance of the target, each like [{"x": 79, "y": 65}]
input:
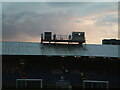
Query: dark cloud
[
  {"x": 32, "y": 24},
  {"x": 77, "y": 21}
]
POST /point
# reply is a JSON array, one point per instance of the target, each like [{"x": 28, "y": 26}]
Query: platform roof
[{"x": 30, "y": 48}]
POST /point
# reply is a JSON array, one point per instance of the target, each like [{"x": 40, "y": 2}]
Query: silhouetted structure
[
  {"x": 111, "y": 42},
  {"x": 76, "y": 37}
]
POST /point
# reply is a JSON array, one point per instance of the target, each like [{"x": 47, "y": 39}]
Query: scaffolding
[{"x": 75, "y": 37}]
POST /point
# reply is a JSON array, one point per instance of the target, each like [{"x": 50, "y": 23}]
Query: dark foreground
[
  {"x": 65, "y": 89},
  {"x": 51, "y": 68}
]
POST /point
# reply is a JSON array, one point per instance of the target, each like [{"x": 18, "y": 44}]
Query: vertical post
[
  {"x": 83, "y": 85},
  {"x": 85, "y": 45},
  {"x": 42, "y": 38},
  {"x": 26, "y": 84},
  {"x": 20, "y": 84},
  {"x": 16, "y": 84},
  {"x": 92, "y": 84},
  {"x": 107, "y": 86},
  {"x": 41, "y": 83}
]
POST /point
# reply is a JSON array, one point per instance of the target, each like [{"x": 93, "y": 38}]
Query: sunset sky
[{"x": 25, "y": 21}]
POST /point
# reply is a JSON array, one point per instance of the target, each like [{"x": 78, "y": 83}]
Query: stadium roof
[{"x": 29, "y": 48}]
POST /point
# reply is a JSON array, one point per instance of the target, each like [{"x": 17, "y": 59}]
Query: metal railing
[{"x": 62, "y": 37}]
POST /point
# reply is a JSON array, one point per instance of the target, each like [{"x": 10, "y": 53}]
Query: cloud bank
[{"x": 25, "y": 21}]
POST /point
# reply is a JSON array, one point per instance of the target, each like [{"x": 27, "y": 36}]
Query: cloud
[
  {"x": 107, "y": 20},
  {"x": 26, "y": 21},
  {"x": 32, "y": 24},
  {"x": 99, "y": 26}
]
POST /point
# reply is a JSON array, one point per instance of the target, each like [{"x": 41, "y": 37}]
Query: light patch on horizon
[{"x": 100, "y": 26}]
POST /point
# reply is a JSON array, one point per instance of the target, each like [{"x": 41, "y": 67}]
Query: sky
[{"x": 25, "y": 21}]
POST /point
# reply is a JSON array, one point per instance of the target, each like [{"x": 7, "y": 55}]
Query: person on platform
[
  {"x": 42, "y": 36},
  {"x": 69, "y": 37},
  {"x": 54, "y": 37}
]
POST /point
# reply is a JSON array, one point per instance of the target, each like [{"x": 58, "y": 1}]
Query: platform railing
[{"x": 62, "y": 37}]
